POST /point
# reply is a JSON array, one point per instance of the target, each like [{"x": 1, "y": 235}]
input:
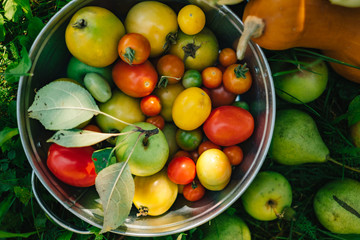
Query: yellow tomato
[
  {"x": 156, "y": 192},
  {"x": 213, "y": 169},
  {"x": 191, "y": 108},
  {"x": 154, "y": 20},
  {"x": 191, "y": 19},
  {"x": 92, "y": 36}
]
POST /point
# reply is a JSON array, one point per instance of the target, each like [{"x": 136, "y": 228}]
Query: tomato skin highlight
[
  {"x": 136, "y": 80},
  {"x": 73, "y": 166},
  {"x": 229, "y": 125}
]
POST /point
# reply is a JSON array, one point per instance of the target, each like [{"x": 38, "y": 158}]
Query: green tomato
[
  {"x": 167, "y": 97},
  {"x": 241, "y": 104},
  {"x": 120, "y": 106},
  {"x": 192, "y": 78},
  {"x": 150, "y": 153},
  {"x": 97, "y": 86},
  {"x": 77, "y": 70},
  {"x": 189, "y": 140},
  {"x": 169, "y": 131},
  {"x": 198, "y": 51}
]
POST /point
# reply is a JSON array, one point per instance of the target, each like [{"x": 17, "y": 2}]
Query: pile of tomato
[{"x": 137, "y": 74}]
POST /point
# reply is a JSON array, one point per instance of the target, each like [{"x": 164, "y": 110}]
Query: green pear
[
  {"x": 297, "y": 84},
  {"x": 226, "y": 227},
  {"x": 337, "y": 206},
  {"x": 296, "y": 139}
]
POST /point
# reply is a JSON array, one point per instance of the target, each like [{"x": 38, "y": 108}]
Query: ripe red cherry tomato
[
  {"x": 134, "y": 48},
  {"x": 220, "y": 96},
  {"x": 228, "y": 125},
  {"x": 72, "y": 166},
  {"x": 235, "y": 154},
  {"x": 158, "y": 121},
  {"x": 181, "y": 170},
  {"x": 207, "y": 145},
  {"x": 136, "y": 80},
  {"x": 193, "y": 191},
  {"x": 150, "y": 105}
]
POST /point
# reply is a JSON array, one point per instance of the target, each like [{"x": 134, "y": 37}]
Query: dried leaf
[
  {"x": 63, "y": 105},
  {"x": 116, "y": 188}
]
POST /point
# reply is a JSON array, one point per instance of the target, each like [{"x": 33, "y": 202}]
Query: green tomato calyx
[
  {"x": 240, "y": 71},
  {"x": 80, "y": 24},
  {"x": 190, "y": 50}
]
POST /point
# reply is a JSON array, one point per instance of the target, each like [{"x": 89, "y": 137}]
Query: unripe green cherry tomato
[
  {"x": 213, "y": 169},
  {"x": 192, "y": 78},
  {"x": 92, "y": 36},
  {"x": 167, "y": 97},
  {"x": 120, "y": 106},
  {"x": 191, "y": 108},
  {"x": 97, "y": 86},
  {"x": 189, "y": 140},
  {"x": 156, "y": 193}
]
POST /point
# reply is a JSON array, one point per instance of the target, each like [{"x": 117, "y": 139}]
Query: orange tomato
[
  {"x": 237, "y": 79},
  {"x": 207, "y": 145},
  {"x": 227, "y": 57},
  {"x": 150, "y": 105},
  {"x": 170, "y": 68},
  {"x": 211, "y": 77},
  {"x": 235, "y": 154},
  {"x": 134, "y": 48},
  {"x": 158, "y": 121}
]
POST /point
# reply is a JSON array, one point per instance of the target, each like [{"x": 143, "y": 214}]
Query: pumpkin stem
[
  {"x": 81, "y": 23},
  {"x": 253, "y": 28}
]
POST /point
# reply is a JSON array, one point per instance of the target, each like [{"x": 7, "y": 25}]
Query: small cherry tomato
[
  {"x": 170, "y": 68},
  {"x": 92, "y": 127},
  {"x": 73, "y": 166},
  {"x": 220, "y": 96},
  {"x": 150, "y": 105},
  {"x": 158, "y": 121},
  {"x": 188, "y": 140},
  {"x": 242, "y": 104},
  {"x": 194, "y": 155},
  {"x": 193, "y": 191},
  {"x": 237, "y": 79},
  {"x": 135, "y": 80},
  {"x": 235, "y": 154},
  {"x": 192, "y": 78},
  {"x": 211, "y": 77},
  {"x": 227, "y": 57},
  {"x": 181, "y": 170},
  {"x": 191, "y": 19},
  {"x": 182, "y": 153},
  {"x": 207, "y": 145},
  {"x": 134, "y": 48}
]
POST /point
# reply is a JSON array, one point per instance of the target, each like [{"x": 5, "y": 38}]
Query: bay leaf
[
  {"x": 115, "y": 186},
  {"x": 103, "y": 158},
  {"x": 79, "y": 138},
  {"x": 62, "y": 105}
]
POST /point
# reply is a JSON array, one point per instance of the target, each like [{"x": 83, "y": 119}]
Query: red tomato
[
  {"x": 237, "y": 78},
  {"x": 220, "y": 96},
  {"x": 227, "y": 56},
  {"x": 211, "y": 77},
  {"x": 158, "y": 121},
  {"x": 150, "y": 105},
  {"x": 228, "y": 125},
  {"x": 207, "y": 145},
  {"x": 193, "y": 191},
  {"x": 72, "y": 166},
  {"x": 181, "y": 170},
  {"x": 92, "y": 127},
  {"x": 136, "y": 80},
  {"x": 235, "y": 154},
  {"x": 134, "y": 48},
  {"x": 182, "y": 153},
  {"x": 171, "y": 68}
]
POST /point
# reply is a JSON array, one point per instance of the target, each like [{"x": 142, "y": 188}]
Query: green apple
[
  {"x": 267, "y": 196},
  {"x": 150, "y": 153},
  {"x": 305, "y": 85},
  {"x": 355, "y": 134}
]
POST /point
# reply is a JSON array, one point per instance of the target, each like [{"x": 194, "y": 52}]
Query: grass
[{"x": 21, "y": 216}]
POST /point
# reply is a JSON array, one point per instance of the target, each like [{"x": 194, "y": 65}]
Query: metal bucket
[{"x": 50, "y": 56}]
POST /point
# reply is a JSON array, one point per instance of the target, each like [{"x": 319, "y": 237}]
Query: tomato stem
[
  {"x": 80, "y": 24},
  {"x": 148, "y": 133}
]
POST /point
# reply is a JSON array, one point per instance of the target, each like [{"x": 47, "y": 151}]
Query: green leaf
[
  {"x": 116, "y": 189},
  {"x": 23, "y": 194},
  {"x": 15, "y": 9},
  {"x": 13, "y": 74},
  {"x": 354, "y": 111},
  {"x": 2, "y": 28},
  {"x": 6, "y": 134},
  {"x": 103, "y": 158},
  {"x": 63, "y": 105},
  {"x": 65, "y": 236},
  {"x": 4, "y": 234},
  {"x": 5, "y": 205},
  {"x": 79, "y": 138}
]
